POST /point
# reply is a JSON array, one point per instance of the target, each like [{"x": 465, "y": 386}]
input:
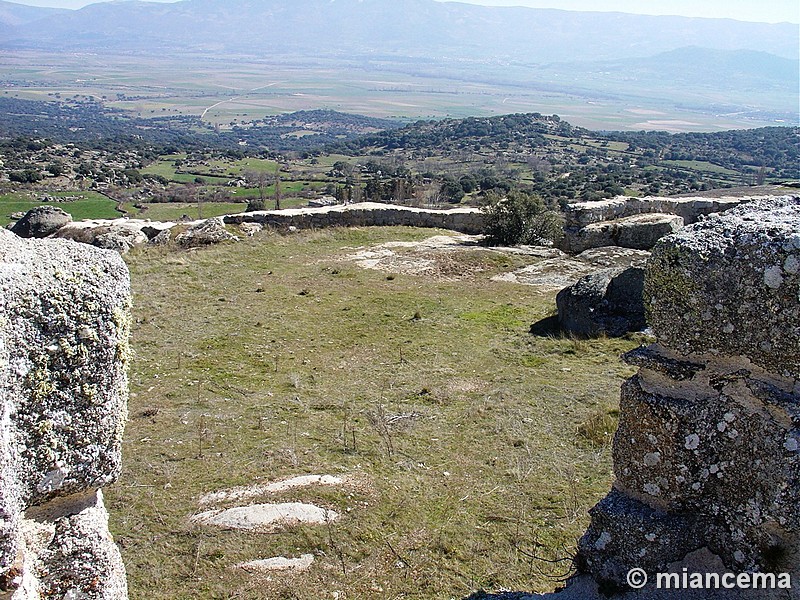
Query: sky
[{"x": 768, "y": 11}]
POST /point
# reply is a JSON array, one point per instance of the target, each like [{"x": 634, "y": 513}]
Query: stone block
[
  {"x": 731, "y": 285},
  {"x": 64, "y": 324},
  {"x": 605, "y": 302}
]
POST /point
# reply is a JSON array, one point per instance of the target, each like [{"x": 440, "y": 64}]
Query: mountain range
[{"x": 414, "y": 28}]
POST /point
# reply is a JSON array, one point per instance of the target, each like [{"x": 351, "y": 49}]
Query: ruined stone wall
[
  {"x": 690, "y": 209},
  {"x": 636, "y": 222},
  {"x": 465, "y": 220},
  {"x": 706, "y": 454},
  {"x": 64, "y": 325}
]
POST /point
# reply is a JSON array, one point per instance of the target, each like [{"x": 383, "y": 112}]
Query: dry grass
[{"x": 273, "y": 357}]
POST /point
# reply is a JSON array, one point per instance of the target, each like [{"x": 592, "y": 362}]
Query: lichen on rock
[
  {"x": 64, "y": 327},
  {"x": 706, "y": 453}
]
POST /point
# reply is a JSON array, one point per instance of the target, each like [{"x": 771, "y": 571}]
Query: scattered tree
[{"x": 520, "y": 218}]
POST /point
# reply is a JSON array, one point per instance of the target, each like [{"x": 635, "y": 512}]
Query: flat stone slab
[
  {"x": 240, "y": 494},
  {"x": 559, "y": 270},
  {"x": 266, "y": 518},
  {"x": 278, "y": 563},
  {"x": 438, "y": 256}
]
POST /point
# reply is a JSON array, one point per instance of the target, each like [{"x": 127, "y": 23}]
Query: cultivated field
[
  {"x": 231, "y": 90},
  {"x": 470, "y": 449},
  {"x": 87, "y": 205}
]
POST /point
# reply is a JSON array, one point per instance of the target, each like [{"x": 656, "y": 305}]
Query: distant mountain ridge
[
  {"x": 756, "y": 67},
  {"x": 416, "y": 28},
  {"x": 13, "y": 14}
]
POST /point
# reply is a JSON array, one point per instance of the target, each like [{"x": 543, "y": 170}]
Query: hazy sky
[{"x": 770, "y": 11}]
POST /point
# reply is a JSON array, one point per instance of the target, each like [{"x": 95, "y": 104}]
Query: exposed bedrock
[{"x": 640, "y": 232}]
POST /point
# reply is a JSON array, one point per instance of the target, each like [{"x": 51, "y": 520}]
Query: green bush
[
  {"x": 254, "y": 204},
  {"x": 520, "y": 218},
  {"x": 26, "y": 176}
]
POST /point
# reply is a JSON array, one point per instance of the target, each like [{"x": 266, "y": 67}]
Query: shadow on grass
[
  {"x": 547, "y": 327},
  {"x": 481, "y": 595}
]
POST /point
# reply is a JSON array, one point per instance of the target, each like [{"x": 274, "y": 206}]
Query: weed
[{"x": 598, "y": 430}]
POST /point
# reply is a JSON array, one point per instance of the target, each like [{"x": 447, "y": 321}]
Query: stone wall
[
  {"x": 636, "y": 222},
  {"x": 64, "y": 325},
  {"x": 638, "y": 232},
  {"x": 464, "y": 220},
  {"x": 124, "y": 234},
  {"x": 706, "y": 454},
  {"x": 690, "y": 209}
]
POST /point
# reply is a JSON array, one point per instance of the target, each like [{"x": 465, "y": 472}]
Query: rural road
[{"x": 203, "y": 115}]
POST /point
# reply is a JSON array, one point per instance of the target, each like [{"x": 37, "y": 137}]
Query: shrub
[
  {"x": 256, "y": 204},
  {"x": 520, "y": 218},
  {"x": 26, "y": 176}
]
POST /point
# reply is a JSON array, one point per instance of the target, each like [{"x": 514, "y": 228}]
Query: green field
[
  {"x": 91, "y": 206},
  {"x": 699, "y": 165},
  {"x": 471, "y": 447},
  {"x": 173, "y": 211},
  {"x": 165, "y": 167}
]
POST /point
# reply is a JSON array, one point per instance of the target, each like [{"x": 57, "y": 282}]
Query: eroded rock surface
[
  {"x": 558, "y": 270},
  {"x": 267, "y": 517},
  {"x": 706, "y": 454},
  {"x": 638, "y": 222},
  {"x": 205, "y": 233},
  {"x": 278, "y": 563},
  {"x": 120, "y": 234},
  {"x": 41, "y": 221},
  {"x": 246, "y": 493},
  {"x": 640, "y": 232},
  {"x": 607, "y": 302},
  {"x": 64, "y": 326}
]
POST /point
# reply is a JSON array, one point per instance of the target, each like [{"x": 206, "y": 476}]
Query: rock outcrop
[
  {"x": 639, "y": 232},
  {"x": 637, "y": 222},
  {"x": 41, "y": 221},
  {"x": 120, "y": 234},
  {"x": 690, "y": 209},
  {"x": 607, "y": 302},
  {"x": 706, "y": 454},
  {"x": 206, "y": 233},
  {"x": 64, "y": 325}
]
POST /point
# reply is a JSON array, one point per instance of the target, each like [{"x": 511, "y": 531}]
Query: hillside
[
  {"x": 86, "y": 122},
  {"x": 143, "y": 162},
  {"x": 564, "y": 161},
  {"x": 17, "y": 15}
]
